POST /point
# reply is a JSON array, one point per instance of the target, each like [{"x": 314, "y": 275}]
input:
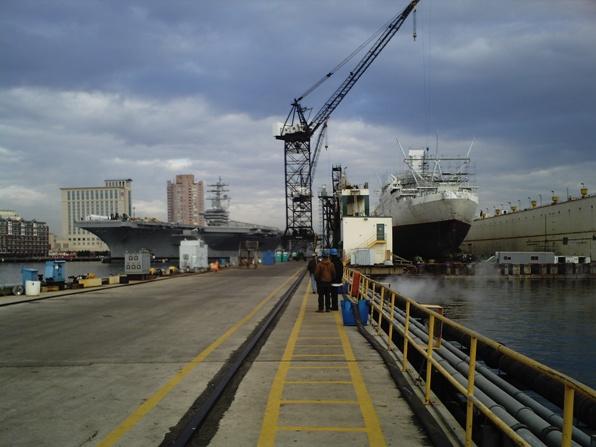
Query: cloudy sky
[{"x": 146, "y": 90}]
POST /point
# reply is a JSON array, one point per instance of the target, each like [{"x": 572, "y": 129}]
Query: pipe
[
  {"x": 543, "y": 428},
  {"x": 547, "y": 414},
  {"x": 551, "y": 435},
  {"x": 516, "y": 425}
]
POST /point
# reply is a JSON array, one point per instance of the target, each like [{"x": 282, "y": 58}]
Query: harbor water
[{"x": 551, "y": 321}]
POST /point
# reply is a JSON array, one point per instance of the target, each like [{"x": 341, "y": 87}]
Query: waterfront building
[
  {"x": 186, "y": 200},
  {"x": 22, "y": 238},
  {"x": 112, "y": 200}
]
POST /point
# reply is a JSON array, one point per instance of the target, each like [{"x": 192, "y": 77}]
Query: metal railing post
[
  {"x": 567, "y": 416},
  {"x": 429, "y": 356},
  {"x": 406, "y": 333},
  {"x": 381, "y": 310},
  {"x": 391, "y": 323},
  {"x": 470, "y": 402}
]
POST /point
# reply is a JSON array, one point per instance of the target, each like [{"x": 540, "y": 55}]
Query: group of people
[{"x": 324, "y": 273}]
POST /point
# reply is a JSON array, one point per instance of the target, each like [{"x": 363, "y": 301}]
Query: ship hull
[
  {"x": 429, "y": 240},
  {"x": 432, "y": 225}
]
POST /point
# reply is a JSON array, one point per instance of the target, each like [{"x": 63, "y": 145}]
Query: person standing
[
  {"x": 324, "y": 273},
  {"x": 311, "y": 267},
  {"x": 337, "y": 279}
]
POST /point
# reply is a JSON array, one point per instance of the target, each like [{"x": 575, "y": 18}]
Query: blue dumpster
[
  {"x": 268, "y": 257},
  {"x": 28, "y": 275}
]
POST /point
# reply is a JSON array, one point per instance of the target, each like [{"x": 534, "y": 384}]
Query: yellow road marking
[
  {"x": 267, "y": 437},
  {"x": 315, "y": 382},
  {"x": 154, "y": 399},
  {"x": 318, "y": 338},
  {"x": 320, "y": 428},
  {"x": 319, "y": 367},
  {"x": 371, "y": 420},
  {"x": 324, "y": 345},
  {"x": 316, "y": 402}
]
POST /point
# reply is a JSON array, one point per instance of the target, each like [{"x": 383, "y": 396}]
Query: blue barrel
[
  {"x": 347, "y": 314},
  {"x": 28, "y": 275},
  {"x": 363, "y": 309}
]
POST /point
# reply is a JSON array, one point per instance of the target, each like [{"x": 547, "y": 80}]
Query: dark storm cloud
[{"x": 197, "y": 84}]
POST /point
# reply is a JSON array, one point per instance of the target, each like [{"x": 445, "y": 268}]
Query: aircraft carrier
[
  {"x": 223, "y": 236},
  {"x": 566, "y": 228}
]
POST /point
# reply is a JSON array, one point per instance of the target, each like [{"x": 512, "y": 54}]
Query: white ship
[{"x": 432, "y": 208}]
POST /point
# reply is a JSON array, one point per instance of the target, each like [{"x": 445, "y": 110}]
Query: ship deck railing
[{"x": 385, "y": 304}]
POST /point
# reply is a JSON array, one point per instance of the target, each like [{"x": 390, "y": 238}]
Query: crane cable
[{"x": 373, "y": 36}]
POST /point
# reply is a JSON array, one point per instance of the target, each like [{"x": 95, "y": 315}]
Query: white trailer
[
  {"x": 193, "y": 255},
  {"x": 525, "y": 257}
]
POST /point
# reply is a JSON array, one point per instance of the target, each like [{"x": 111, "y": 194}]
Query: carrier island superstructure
[{"x": 566, "y": 228}]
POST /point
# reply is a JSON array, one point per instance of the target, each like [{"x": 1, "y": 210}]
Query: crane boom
[
  {"x": 341, "y": 92},
  {"x": 317, "y": 152}
]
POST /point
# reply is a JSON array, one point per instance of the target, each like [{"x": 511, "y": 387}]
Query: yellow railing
[{"x": 380, "y": 297}]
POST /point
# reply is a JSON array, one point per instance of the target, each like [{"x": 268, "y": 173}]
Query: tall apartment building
[
  {"x": 186, "y": 200},
  {"x": 22, "y": 238},
  {"x": 114, "y": 198}
]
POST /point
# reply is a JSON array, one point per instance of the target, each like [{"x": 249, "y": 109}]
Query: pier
[{"x": 241, "y": 357}]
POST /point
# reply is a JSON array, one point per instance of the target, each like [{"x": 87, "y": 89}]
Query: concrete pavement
[
  {"x": 316, "y": 382},
  {"x": 120, "y": 366}
]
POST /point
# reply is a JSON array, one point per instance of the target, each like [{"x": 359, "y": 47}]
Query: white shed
[{"x": 368, "y": 233}]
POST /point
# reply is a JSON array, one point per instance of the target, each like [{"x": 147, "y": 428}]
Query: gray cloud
[{"x": 98, "y": 89}]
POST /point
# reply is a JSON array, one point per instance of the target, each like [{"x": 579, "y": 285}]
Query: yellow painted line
[
  {"x": 318, "y": 355},
  {"x": 319, "y": 367},
  {"x": 318, "y": 338},
  {"x": 311, "y": 345},
  {"x": 271, "y": 417},
  {"x": 133, "y": 419},
  {"x": 319, "y": 402},
  {"x": 320, "y": 428},
  {"x": 316, "y": 382},
  {"x": 371, "y": 420}
]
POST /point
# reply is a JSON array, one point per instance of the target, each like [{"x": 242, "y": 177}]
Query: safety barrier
[{"x": 386, "y": 303}]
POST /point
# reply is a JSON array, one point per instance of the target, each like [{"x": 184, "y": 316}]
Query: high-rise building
[
  {"x": 22, "y": 238},
  {"x": 186, "y": 200},
  {"x": 112, "y": 200}
]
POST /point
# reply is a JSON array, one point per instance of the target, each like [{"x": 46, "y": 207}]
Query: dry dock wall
[{"x": 567, "y": 229}]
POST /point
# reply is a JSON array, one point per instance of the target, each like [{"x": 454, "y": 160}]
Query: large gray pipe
[
  {"x": 542, "y": 428},
  {"x": 539, "y": 426},
  {"x": 547, "y": 414},
  {"x": 495, "y": 407}
]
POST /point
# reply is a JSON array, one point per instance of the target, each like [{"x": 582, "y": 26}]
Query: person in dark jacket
[
  {"x": 325, "y": 272},
  {"x": 311, "y": 267},
  {"x": 337, "y": 279}
]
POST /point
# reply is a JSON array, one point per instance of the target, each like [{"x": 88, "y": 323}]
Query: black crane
[{"x": 296, "y": 133}]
